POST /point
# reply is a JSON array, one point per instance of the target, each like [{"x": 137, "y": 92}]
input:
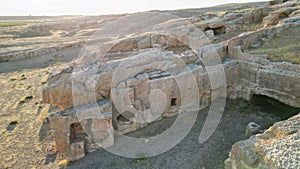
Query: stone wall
[
  {"x": 81, "y": 130},
  {"x": 244, "y": 79},
  {"x": 137, "y": 65},
  {"x": 268, "y": 80},
  {"x": 32, "y": 53}
]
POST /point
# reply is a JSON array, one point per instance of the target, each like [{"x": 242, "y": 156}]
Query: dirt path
[{"x": 61, "y": 56}]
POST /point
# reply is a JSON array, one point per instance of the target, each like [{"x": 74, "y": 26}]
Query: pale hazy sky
[{"x": 96, "y": 7}]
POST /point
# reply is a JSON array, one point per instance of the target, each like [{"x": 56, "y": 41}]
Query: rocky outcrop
[
  {"x": 145, "y": 73},
  {"x": 278, "y": 147},
  {"x": 244, "y": 79},
  {"x": 280, "y": 10},
  {"x": 139, "y": 66},
  {"x": 274, "y": 17},
  {"x": 269, "y": 80}
]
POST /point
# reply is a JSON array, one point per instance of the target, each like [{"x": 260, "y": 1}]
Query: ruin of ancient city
[{"x": 150, "y": 84}]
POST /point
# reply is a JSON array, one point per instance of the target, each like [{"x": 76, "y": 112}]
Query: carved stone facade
[{"x": 83, "y": 125}]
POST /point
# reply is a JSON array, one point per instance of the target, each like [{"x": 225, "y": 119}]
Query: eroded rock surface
[
  {"x": 278, "y": 147},
  {"x": 204, "y": 47}
]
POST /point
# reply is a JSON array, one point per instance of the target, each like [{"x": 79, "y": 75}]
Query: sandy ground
[{"x": 25, "y": 139}]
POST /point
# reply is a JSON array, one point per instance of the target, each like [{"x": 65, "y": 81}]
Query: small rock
[
  {"x": 252, "y": 129},
  {"x": 255, "y": 45},
  {"x": 210, "y": 34},
  {"x": 63, "y": 163}
]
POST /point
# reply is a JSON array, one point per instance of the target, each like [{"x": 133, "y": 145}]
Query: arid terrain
[{"x": 36, "y": 52}]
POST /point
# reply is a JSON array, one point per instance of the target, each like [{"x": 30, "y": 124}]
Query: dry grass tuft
[
  {"x": 284, "y": 46},
  {"x": 7, "y": 24}
]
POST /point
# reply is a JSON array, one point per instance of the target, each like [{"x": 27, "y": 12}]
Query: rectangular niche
[{"x": 173, "y": 102}]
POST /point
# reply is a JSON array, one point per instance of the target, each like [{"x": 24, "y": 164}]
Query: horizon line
[{"x": 126, "y": 13}]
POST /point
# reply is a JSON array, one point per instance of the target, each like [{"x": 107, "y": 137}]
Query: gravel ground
[{"x": 189, "y": 154}]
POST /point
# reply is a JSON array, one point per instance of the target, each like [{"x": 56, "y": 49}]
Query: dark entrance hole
[
  {"x": 76, "y": 132},
  {"x": 273, "y": 106},
  {"x": 218, "y": 30},
  {"x": 283, "y": 15},
  {"x": 123, "y": 119},
  {"x": 173, "y": 102}
]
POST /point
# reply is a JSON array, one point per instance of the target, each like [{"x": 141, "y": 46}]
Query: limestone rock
[
  {"x": 297, "y": 12},
  {"x": 285, "y": 3},
  {"x": 270, "y": 20},
  {"x": 217, "y": 26},
  {"x": 125, "y": 46},
  {"x": 125, "y": 79},
  {"x": 210, "y": 34},
  {"x": 232, "y": 16},
  {"x": 272, "y": 149},
  {"x": 252, "y": 129},
  {"x": 77, "y": 132},
  {"x": 295, "y": 19},
  {"x": 275, "y": 16}
]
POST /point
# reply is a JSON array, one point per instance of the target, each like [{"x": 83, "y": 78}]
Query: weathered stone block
[
  {"x": 74, "y": 138},
  {"x": 76, "y": 151},
  {"x": 144, "y": 43}
]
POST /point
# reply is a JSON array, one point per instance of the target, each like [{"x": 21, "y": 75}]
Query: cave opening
[
  {"x": 283, "y": 15},
  {"x": 218, "y": 30},
  {"x": 267, "y": 104}
]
